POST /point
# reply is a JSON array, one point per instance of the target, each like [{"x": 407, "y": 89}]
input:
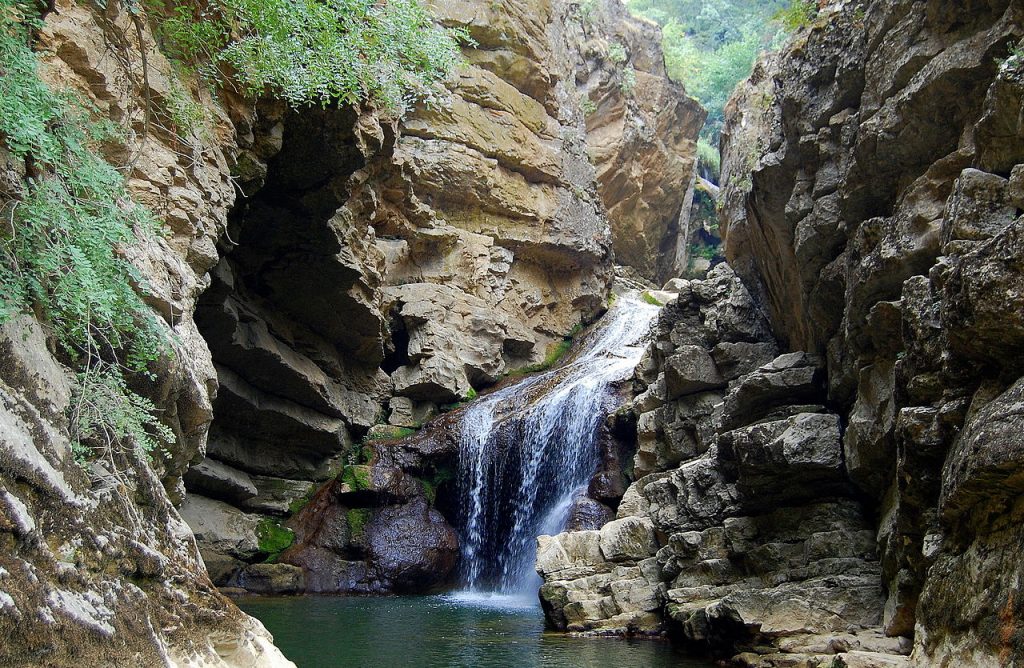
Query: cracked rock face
[
  {"x": 740, "y": 530},
  {"x": 97, "y": 566},
  {"x": 378, "y": 270},
  {"x": 872, "y": 205},
  {"x": 641, "y": 134}
]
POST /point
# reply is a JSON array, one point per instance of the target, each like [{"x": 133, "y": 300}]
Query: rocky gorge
[
  {"x": 826, "y": 470},
  {"x": 816, "y": 462}
]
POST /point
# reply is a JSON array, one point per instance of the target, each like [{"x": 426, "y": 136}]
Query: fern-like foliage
[
  {"x": 314, "y": 51},
  {"x": 60, "y": 246}
]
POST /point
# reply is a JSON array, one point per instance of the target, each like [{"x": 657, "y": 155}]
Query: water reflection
[{"x": 440, "y": 631}]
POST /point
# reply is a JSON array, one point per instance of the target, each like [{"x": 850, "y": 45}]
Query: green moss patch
[
  {"x": 651, "y": 299},
  {"x": 273, "y": 538},
  {"x": 357, "y": 477},
  {"x": 357, "y": 519},
  {"x": 387, "y": 432},
  {"x": 298, "y": 504}
]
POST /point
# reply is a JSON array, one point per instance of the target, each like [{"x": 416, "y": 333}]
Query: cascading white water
[{"x": 528, "y": 449}]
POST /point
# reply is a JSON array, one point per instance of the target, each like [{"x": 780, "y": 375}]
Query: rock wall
[
  {"x": 96, "y": 565},
  {"x": 741, "y": 535},
  {"x": 872, "y": 206},
  {"x": 641, "y": 135},
  {"x": 855, "y": 499},
  {"x": 401, "y": 269},
  {"x": 324, "y": 271},
  {"x": 411, "y": 264}
]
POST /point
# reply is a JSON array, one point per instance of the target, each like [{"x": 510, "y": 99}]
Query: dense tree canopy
[{"x": 711, "y": 45}]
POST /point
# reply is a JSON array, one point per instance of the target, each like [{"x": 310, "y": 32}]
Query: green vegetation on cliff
[
  {"x": 67, "y": 220},
  {"x": 310, "y": 51},
  {"x": 61, "y": 247},
  {"x": 273, "y": 538}
]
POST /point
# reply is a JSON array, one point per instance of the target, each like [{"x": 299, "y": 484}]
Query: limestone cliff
[
  {"x": 880, "y": 227},
  {"x": 325, "y": 271},
  {"x": 411, "y": 264},
  {"x": 855, "y": 499},
  {"x": 96, "y": 565},
  {"x": 641, "y": 130}
]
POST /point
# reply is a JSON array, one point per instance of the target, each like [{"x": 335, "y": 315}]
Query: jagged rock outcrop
[
  {"x": 755, "y": 539},
  {"x": 96, "y": 565},
  {"x": 375, "y": 529},
  {"x": 405, "y": 266},
  {"x": 411, "y": 264},
  {"x": 370, "y": 271},
  {"x": 641, "y": 135},
  {"x": 872, "y": 204}
]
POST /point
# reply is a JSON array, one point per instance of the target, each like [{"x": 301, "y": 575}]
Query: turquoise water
[{"x": 438, "y": 632}]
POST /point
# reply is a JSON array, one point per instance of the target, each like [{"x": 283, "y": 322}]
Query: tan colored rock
[
  {"x": 630, "y": 538},
  {"x": 641, "y": 134}
]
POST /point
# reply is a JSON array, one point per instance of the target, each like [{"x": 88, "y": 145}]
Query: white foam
[{"x": 491, "y": 600}]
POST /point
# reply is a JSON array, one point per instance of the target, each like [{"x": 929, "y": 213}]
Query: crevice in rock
[{"x": 292, "y": 327}]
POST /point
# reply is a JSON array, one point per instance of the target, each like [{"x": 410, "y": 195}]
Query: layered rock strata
[
  {"x": 96, "y": 565},
  {"x": 856, "y": 497},
  {"x": 641, "y": 135},
  {"x": 376, "y": 271},
  {"x": 742, "y": 531},
  {"x": 879, "y": 222}
]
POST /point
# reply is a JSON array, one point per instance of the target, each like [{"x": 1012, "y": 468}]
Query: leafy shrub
[
  {"x": 315, "y": 52},
  {"x": 798, "y": 15},
  {"x": 616, "y": 53},
  {"x": 587, "y": 9},
  {"x": 587, "y": 106},
  {"x": 59, "y": 253},
  {"x": 706, "y": 252},
  {"x": 627, "y": 81}
]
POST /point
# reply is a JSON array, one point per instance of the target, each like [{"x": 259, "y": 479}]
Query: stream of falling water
[{"x": 528, "y": 449}]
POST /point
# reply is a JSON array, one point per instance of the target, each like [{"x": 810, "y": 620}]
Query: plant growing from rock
[
  {"x": 60, "y": 249},
  {"x": 617, "y": 53},
  {"x": 798, "y": 15},
  {"x": 313, "y": 52}
]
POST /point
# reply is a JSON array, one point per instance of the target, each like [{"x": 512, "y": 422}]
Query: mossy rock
[
  {"x": 357, "y": 478},
  {"x": 273, "y": 538},
  {"x": 298, "y": 504},
  {"x": 387, "y": 432},
  {"x": 357, "y": 519}
]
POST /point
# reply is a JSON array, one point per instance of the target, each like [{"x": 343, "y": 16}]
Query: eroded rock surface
[
  {"x": 741, "y": 531},
  {"x": 872, "y": 205},
  {"x": 641, "y": 135},
  {"x": 97, "y": 566}
]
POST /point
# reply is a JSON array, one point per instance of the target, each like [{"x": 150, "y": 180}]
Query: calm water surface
[{"x": 438, "y": 632}]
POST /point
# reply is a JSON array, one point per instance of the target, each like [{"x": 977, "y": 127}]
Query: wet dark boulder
[{"x": 411, "y": 546}]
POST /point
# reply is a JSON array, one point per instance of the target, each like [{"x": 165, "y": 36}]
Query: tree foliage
[
  {"x": 314, "y": 51},
  {"x": 711, "y": 45}
]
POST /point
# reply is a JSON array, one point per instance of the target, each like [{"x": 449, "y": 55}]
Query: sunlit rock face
[
  {"x": 741, "y": 528},
  {"x": 641, "y": 134},
  {"x": 325, "y": 270},
  {"x": 824, "y": 441},
  {"x": 376, "y": 270}
]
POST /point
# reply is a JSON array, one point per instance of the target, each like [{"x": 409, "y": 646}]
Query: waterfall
[{"x": 528, "y": 449}]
